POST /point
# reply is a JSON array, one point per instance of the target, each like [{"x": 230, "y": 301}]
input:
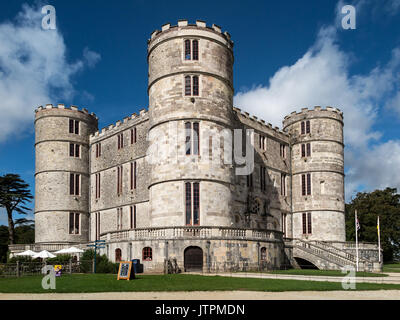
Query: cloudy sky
[{"x": 288, "y": 55}]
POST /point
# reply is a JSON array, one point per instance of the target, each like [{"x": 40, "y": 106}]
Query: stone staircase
[{"x": 328, "y": 257}]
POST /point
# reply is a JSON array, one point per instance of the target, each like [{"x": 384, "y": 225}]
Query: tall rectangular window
[
  {"x": 196, "y": 203},
  {"x": 304, "y": 222},
  {"x": 303, "y": 150},
  {"x": 195, "y": 85},
  {"x": 133, "y": 135},
  {"x": 133, "y": 216},
  {"x": 195, "y": 49},
  {"x": 308, "y": 183},
  {"x": 262, "y": 179},
  {"x": 97, "y": 225},
  {"x": 74, "y": 184},
  {"x": 119, "y": 180},
  {"x": 119, "y": 218},
  {"x": 188, "y": 134},
  {"x": 71, "y": 126},
  {"x": 98, "y": 185},
  {"x": 74, "y": 150},
  {"x": 98, "y": 150},
  {"x": 187, "y": 50},
  {"x": 282, "y": 151},
  {"x": 309, "y": 223},
  {"x": 308, "y": 149},
  {"x": 263, "y": 143},
  {"x": 188, "y": 86},
  {"x": 303, "y": 128},
  {"x": 303, "y": 185},
  {"x": 74, "y": 223},
  {"x": 283, "y": 184},
  {"x": 308, "y": 127},
  {"x": 188, "y": 202},
  {"x": 120, "y": 138},
  {"x": 196, "y": 138},
  {"x": 133, "y": 175},
  {"x": 284, "y": 223}
]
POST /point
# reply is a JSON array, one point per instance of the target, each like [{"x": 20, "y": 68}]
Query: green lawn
[
  {"x": 391, "y": 267},
  {"x": 178, "y": 282},
  {"x": 330, "y": 273}
]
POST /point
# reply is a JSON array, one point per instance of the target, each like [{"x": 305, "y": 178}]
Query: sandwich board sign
[{"x": 125, "y": 271}]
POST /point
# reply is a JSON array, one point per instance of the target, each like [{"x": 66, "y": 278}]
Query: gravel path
[{"x": 212, "y": 295}]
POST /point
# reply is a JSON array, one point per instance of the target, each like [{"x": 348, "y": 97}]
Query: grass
[
  {"x": 80, "y": 283},
  {"x": 391, "y": 267},
  {"x": 329, "y": 273}
]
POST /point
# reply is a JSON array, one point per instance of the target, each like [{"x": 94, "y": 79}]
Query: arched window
[
  {"x": 147, "y": 254},
  {"x": 118, "y": 255},
  {"x": 195, "y": 85},
  {"x": 263, "y": 254}
]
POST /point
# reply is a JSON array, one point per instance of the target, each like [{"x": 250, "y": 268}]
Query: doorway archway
[{"x": 193, "y": 259}]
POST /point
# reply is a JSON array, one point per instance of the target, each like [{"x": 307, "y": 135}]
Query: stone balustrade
[{"x": 192, "y": 233}]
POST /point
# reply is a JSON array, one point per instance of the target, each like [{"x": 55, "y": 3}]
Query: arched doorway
[{"x": 193, "y": 259}]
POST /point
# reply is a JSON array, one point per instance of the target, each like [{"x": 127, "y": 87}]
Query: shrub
[{"x": 103, "y": 265}]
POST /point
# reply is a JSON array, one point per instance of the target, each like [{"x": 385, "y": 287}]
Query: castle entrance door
[{"x": 193, "y": 259}]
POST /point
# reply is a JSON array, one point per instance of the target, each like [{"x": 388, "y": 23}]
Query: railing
[
  {"x": 323, "y": 253},
  {"x": 191, "y": 233},
  {"x": 335, "y": 250}
]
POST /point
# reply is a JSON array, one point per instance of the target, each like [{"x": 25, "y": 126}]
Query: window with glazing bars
[
  {"x": 74, "y": 184},
  {"x": 192, "y": 203},
  {"x": 195, "y": 44},
  {"x": 187, "y": 50},
  {"x": 74, "y": 223},
  {"x": 73, "y": 126}
]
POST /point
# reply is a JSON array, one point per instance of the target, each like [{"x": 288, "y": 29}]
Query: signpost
[{"x": 97, "y": 244}]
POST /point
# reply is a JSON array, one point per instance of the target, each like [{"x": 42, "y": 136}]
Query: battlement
[
  {"x": 184, "y": 24},
  {"x": 127, "y": 121},
  {"x": 259, "y": 121},
  {"x": 306, "y": 113},
  {"x": 61, "y": 106}
]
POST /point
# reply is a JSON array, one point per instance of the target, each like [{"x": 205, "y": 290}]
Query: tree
[
  {"x": 14, "y": 195},
  {"x": 386, "y": 205}
]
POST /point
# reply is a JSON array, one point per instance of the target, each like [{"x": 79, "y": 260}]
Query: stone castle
[{"x": 124, "y": 185}]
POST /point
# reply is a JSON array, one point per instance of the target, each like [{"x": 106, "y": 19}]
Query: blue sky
[{"x": 288, "y": 55}]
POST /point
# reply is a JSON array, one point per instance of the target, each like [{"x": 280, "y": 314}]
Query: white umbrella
[
  {"x": 73, "y": 250},
  {"x": 44, "y": 254},
  {"x": 61, "y": 251},
  {"x": 26, "y": 253}
]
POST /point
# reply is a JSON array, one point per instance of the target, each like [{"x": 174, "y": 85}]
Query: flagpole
[
  {"x": 379, "y": 241},
  {"x": 356, "y": 225}
]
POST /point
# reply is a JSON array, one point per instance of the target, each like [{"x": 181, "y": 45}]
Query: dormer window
[{"x": 191, "y": 49}]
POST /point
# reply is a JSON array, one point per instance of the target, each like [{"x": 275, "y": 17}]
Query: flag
[
  {"x": 377, "y": 227},
  {"x": 358, "y": 224}
]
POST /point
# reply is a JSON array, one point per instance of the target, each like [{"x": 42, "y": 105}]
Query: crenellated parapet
[
  {"x": 317, "y": 112},
  {"x": 61, "y": 107},
  {"x": 260, "y": 124},
  {"x": 200, "y": 25},
  {"x": 120, "y": 125}
]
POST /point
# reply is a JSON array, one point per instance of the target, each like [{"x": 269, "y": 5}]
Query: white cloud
[
  {"x": 321, "y": 78},
  {"x": 33, "y": 70}
]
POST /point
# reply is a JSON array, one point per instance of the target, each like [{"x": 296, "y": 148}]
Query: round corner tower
[
  {"x": 62, "y": 174},
  {"x": 317, "y": 173},
  {"x": 190, "y": 97}
]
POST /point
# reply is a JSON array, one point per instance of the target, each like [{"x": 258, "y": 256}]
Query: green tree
[
  {"x": 14, "y": 195},
  {"x": 386, "y": 205}
]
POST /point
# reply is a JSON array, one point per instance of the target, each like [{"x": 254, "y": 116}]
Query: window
[
  {"x": 97, "y": 196},
  {"x": 97, "y": 227},
  {"x": 249, "y": 181},
  {"x": 133, "y": 175},
  {"x": 187, "y": 50},
  {"x": 192, "y": 203},
  {"x": 133, "y": 135},
  {"x": 194, "y": 53},
  {"x": 119, "y": 218},
  {"x": 308, "y": 147},
  {"x": 307, "y": 222},
  {"x": 133, "y": 217},
  {"x": 192, "y": 138},
  {"x": 147, "y": 254},
  {"x": 74, "y": 184},
  {"x": 119, "y": 180},
  {"x": 74, "y": 150},
  {"x": 120, "y": 141},
  {"x": 282, "y": 151},
  {"x": 192, "y": 85},
  {"x": 73, "y": 126},
  {"x": 263, "y": 143},
  {"x": 74, "y": 223},
  {"x": 308, "y": 129},
  {"x": 283, "y": 184},
  {"x": 306, "y": 184},
  {"x": 303, "y": 150},
  {"x": 195, "y": 49},
  {"x": 98, "y": 150},
  {"x": 305, "y": 127},
  {"x": 118, "y": 255},
  {"x": 188, "y": 89},
  {"x": 284, "y": 223},
  {"x": 263, "y": 254},
  {"x": 262, "y": 179}
]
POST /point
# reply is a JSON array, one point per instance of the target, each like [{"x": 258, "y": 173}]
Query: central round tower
[{"x": 190, "y": 108}]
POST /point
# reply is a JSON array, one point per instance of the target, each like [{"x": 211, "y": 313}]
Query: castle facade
[{"x": 159, "y": 186}]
